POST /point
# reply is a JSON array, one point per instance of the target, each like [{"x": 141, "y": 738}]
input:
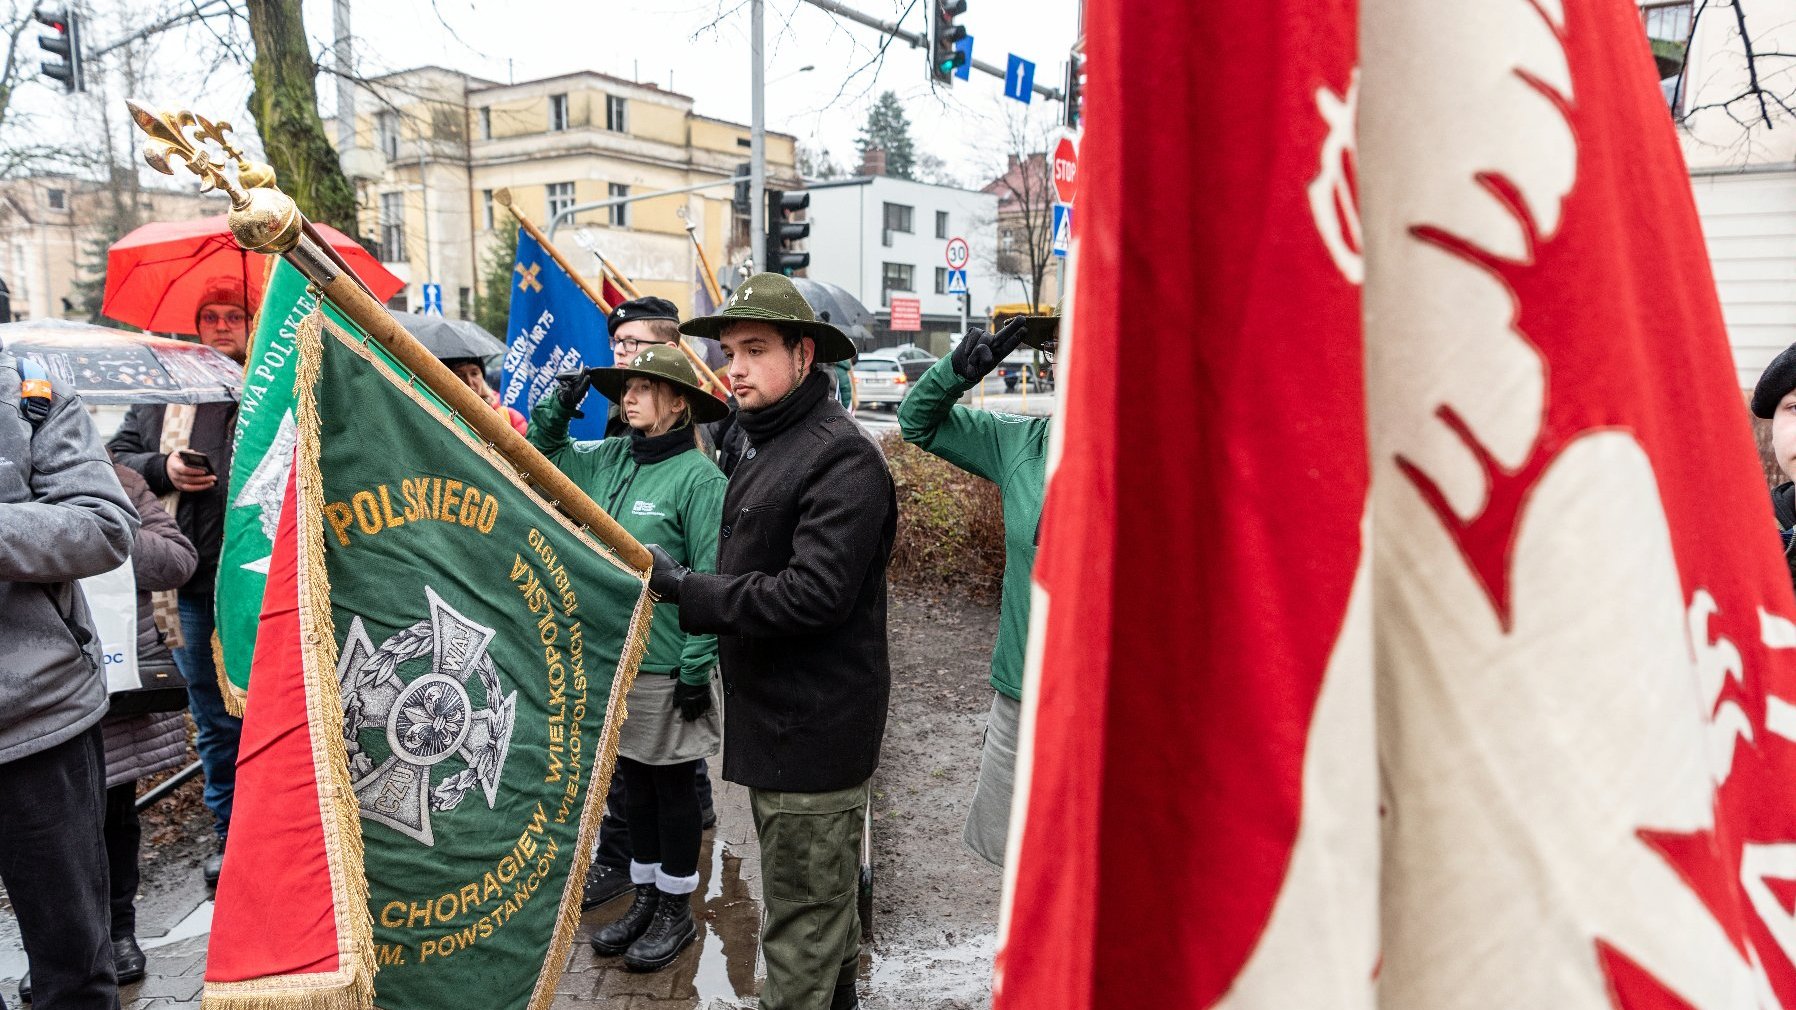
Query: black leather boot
[
  {"x": 616, "y": 937},
  {"x": 669, "y": 933},
  {"x": 845, "y": 997},
  {"x": 128, "y": 960}
]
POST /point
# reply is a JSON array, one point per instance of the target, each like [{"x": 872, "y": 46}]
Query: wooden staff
[
  {"x": 711, "y": 287},
  {"x": 623, "y": 283},
  {"x": 705, "y": 374},
  {"x": 502, "y": 197}
]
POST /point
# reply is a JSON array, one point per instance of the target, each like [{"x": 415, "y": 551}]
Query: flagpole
[
  {"x": 502, "y": 197},
  {"x": 711, "y": 285},
  {"x": 265, "y": 220},
  {"x": 628, "y": 287},
  {"x": 617, "y": 276}
]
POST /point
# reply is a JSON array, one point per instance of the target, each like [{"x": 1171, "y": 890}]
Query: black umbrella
[
  {"x": 106, "y": 365},
  {"x": 452, "y": 338},
  {"x": 845, "y": 311}
]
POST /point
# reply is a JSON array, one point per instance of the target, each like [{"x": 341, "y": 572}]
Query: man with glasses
[{"x": 185, "y": 450}]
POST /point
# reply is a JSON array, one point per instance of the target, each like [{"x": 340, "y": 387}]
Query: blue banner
[{"x": 554, "y": 328}]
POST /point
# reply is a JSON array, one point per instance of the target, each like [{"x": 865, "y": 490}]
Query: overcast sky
[{"x": 702, "y": 45}]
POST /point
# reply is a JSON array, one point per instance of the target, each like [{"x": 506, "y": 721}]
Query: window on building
[
  {"x": 392, "y": 227},
  {"x": 941, "y": 224},
  {"x": 1668, "y": 26},
  {"x": 486, "y": 122},
  {"x": 620, "y": 214},
  {"x": 615, "y": 118},
  {"x": 557, "y": 113},
  {"x": 386, "y": 130},
  {"x": 59, "y": 198},
  {"x": 561, "y": 197},
  {"x": 464, "y": 303},
  {"x": 941, "y": 280},
  {"x": 901, "y": 277},
  {"x": 486, "y": 208},
  {"x": 898, "y": 218}
]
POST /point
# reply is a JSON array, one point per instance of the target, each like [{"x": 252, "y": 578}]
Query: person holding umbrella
[
  {"x": 664, "y": 491},
  {"x": 1011, "y": 452},
  {"x": 181, "y": 450}
]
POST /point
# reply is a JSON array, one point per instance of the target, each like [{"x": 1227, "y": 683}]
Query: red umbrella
[{"x": 155, "y": 275}]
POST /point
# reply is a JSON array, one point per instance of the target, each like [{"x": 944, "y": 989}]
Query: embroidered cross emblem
[{"x": 529, "y": 281}]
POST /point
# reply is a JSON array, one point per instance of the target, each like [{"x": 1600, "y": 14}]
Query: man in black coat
[{"x": 799, "y": 607}]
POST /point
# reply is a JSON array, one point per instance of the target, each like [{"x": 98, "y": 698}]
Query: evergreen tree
[
  {"x": 492, "y": 307},
  {"x": 888, "y": 129}
]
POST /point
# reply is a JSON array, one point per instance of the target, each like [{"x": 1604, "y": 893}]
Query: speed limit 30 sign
[{"x": 959, "y": 253}]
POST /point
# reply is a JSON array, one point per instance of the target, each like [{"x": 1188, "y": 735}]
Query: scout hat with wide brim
[
  {"x": 666, "y": 363},
  {"x": 771, "y": 298}
]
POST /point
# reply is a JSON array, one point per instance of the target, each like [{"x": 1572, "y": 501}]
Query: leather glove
[
  {"x": 665, "y": 578},
  {"x": 694, "y": 700},
  {"x": 570, "y": 389},
  {"x": 979, "y": 352}
]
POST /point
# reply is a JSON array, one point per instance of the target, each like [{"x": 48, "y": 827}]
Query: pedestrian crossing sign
[
  {"x": 1063, "y": 227},
  {"x": 957, "y": 282}
]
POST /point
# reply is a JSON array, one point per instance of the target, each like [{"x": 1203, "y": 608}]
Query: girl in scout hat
[{"x": 660, "y": 488}]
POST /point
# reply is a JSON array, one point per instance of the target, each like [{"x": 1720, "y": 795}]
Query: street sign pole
[{"x": 757, "y": 137}]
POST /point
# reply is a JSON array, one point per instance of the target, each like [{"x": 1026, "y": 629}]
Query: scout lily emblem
[{"x": 422, "y": 722}]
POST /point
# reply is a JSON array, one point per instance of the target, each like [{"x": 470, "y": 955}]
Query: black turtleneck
[
  {"x": 764, "y": 425},
  {"x": 648, "y": 449}
]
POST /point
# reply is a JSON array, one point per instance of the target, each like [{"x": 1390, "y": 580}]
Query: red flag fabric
[
  {"x": 1197, "y": 799},
  {"x": 1583, "y": 627},
  {"x": 288, "y": 910}
]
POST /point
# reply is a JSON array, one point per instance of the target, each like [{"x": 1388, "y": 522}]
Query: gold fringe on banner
[
  {"x": 351, "y": 986},
  {"x": 234, "y": 697}
]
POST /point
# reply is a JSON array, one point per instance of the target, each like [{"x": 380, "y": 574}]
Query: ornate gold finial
[{"x": 180, "y": 139}]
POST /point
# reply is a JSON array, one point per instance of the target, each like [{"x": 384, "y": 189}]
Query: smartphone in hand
[{"x": 197, "y": 460}]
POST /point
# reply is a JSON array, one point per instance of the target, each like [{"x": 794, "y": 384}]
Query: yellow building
[{"x": 436, "y": 144}]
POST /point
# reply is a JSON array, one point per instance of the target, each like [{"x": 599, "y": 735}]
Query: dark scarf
[
  {"x": 764, "y": 425},
  {"x": 649, "y": 449}
]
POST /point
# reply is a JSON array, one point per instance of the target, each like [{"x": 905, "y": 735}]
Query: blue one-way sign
[
  {"x": 957, "y": 282},
  {"x": 1019, "y": 79}
]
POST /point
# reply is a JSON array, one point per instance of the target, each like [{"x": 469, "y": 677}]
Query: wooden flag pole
[
  {"x": 265, "y": 220},
  {"x": 617, "y": 276},
  {"x": 705, "y": 374},
  {"x": 502, "y": 197},
  {"x": 711, "y": 285}
]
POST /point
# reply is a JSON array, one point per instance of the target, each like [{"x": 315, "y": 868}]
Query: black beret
[
  {"x": 642, "y": 308},
  {"x": 1776, "y": 382}
]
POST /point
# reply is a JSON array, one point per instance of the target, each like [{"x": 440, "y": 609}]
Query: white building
[
  {"x": 1743, "y": 176},
  {"x": 877, "y": 236}
]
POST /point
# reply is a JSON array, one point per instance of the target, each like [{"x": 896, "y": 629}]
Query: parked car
[
  {"x": 910, "y": 358},
  {"x": 879, "y": 381}
]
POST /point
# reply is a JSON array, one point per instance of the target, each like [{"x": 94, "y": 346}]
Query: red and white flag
[
  {"x": 1528, "y": 740},
  {"x": 1197, "y": 817},
  {"x": 1583, "y": 624}
]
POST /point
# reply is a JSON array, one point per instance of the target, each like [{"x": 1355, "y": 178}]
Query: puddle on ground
[
  {"x": 960, "y": 969},
  {"x": 729, "y": 934}
]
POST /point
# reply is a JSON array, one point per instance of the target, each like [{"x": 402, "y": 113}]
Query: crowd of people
[{"x": 770, "y": 519}]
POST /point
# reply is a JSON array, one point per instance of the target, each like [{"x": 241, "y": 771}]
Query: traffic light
[
  {"x": 1075, "y": 88},
  {"x": 63, "y": 41},
  {"x": 945, "y": 55},
  {"x": 782, "y": 228},
  {"x": 742, "y": 196}
]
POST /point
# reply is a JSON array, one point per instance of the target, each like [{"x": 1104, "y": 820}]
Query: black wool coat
[
  {"x": 798, "y": 602},
  {"x": 201, "y": 514}
]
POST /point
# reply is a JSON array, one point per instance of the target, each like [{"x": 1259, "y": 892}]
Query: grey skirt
[
  {"x": 988, "y": 822},
  {"x": 653, "y": 731}
]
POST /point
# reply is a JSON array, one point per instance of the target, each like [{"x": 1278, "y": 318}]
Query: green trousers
[{"x": 810, "y": 869}]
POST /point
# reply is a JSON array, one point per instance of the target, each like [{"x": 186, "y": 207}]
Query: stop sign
[{"x": 1066, "y": 163}]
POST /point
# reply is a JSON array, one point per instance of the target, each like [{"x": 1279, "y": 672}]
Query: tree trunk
[{"x": 285, "y": 104}]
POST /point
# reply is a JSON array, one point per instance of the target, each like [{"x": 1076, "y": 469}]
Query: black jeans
[
  {"x": 123, "y": 836},
  {"x": 614, "y": 834},
  {"x": 53, "y": 864},
  {"x": 662, "y": 811}
]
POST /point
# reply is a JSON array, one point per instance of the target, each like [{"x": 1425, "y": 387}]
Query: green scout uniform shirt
[
  {"x": 1010, "y": 451},
  {"x": 677, "y": 503}
]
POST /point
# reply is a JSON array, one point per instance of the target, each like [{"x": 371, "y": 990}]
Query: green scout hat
[
  {"x": 772, "y": 298},
  {"x": 668, "y": 364}
]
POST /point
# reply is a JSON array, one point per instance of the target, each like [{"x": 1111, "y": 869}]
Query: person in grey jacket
[{"x": 63, "y": 517}]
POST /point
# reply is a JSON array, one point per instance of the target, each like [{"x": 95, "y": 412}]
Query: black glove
[
  {"x": 570, "y": 389},
  {"x": 979, "y": 352},
  {"x": 694, "y": 700},
  {"x": 665, "y": 579}
]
